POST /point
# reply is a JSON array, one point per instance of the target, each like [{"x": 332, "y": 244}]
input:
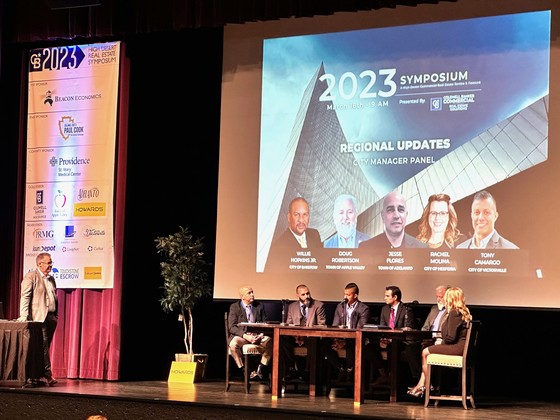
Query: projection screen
[{"x": 450, "y": 100}]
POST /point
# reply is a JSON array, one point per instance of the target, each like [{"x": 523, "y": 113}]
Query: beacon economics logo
[{"x": 50, "y": 98}]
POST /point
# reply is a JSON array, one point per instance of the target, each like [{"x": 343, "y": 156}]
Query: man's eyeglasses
[
  {"x": 439, "y": 213},
  {"x": 46, "y": 262}
]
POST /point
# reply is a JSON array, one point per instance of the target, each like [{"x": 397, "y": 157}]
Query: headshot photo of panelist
[
  {"x": 297, "y": 236},
  {"x": 438, "y": 223},
  {"x": 345, "y": 216},
  {"x": 484, "y": 214},
  {"x": 393, "y": 214}
]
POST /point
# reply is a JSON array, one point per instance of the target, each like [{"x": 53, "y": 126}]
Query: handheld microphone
[{"x": 345, "y": 300}]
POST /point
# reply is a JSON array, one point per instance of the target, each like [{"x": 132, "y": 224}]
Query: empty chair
[
  {"x": 465, "y": 362},
  {"x": 249, "y": 350}
]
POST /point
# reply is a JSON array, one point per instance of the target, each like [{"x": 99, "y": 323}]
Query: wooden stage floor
[{"x": 77, "y": 399}]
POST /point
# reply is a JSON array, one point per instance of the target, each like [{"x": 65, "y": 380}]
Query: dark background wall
[{"x": 172, "y": 180}]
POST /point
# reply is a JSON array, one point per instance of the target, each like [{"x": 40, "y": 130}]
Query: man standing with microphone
[{"x": 39, "y": 303}]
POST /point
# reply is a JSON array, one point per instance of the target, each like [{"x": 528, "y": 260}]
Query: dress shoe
[
  {"x": 31, "y": 383},
  {"x": 49, "y": 381},
  {"x": 256, "y": 375}
]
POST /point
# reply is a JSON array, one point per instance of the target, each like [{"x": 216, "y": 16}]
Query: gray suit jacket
[
  {"x": 496, "y": 242},
  {"x": 34, "y": 299},
  {"x": 316, "y": 314},
  {"x": 430, "y": 319}
]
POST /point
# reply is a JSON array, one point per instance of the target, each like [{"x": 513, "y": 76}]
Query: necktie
[
  {"x": 392, "y": 319},
  {"x": 250, "y": 317},
  {"x": 303, "y": 319},
  {"x": 302, "y": 241}
]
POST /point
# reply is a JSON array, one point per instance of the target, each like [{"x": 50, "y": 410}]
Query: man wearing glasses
[{"x": 39, "y": 303}]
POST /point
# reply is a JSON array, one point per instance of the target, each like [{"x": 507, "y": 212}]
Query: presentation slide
[{"x": 401, "y": 154}]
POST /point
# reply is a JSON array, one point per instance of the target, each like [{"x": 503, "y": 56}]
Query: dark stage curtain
[{"x": 35, "y": 20}]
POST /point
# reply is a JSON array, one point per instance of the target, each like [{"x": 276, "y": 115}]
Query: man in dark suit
[
  {"x": 39, "y": 303},
  {"x": 394, "y": 214},
  {"x": 484, "y": 214},
  {"x": 350, "y": 313},
  {"x": 396, "y": 315},
  {"x": 248, "y": 310},
  {"x": 297, "y": 236},
  {"x": 306, "y": 312}
]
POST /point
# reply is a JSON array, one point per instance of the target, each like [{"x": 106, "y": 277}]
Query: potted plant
[{"x": 185, "y": 276}]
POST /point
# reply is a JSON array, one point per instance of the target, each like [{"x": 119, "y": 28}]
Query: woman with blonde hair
[
  {"x": 438, "y": 223},
  {"x": 453, "y": 334}
]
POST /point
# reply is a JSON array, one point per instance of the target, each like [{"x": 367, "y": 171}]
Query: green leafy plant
[{"x": 185, "y": 275}]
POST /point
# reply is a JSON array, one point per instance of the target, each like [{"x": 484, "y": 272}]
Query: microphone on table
[
  {"x": 408, "y": 305},
  {"x": 344, "y": 302},
  {"x": 284, "y": 303}
]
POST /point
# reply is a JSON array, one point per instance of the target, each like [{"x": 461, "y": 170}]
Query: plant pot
[{"x": 200, "y": 359}]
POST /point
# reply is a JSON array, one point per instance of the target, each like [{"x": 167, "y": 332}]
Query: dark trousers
[{"x": 48, "y": 327}]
